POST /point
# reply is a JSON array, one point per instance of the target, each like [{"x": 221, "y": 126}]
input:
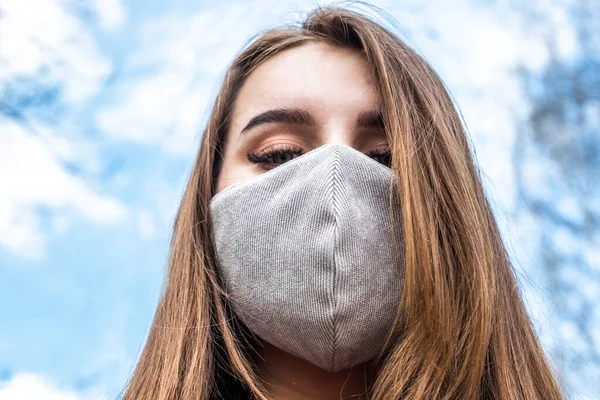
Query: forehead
[{"x": 324, "y": 79}]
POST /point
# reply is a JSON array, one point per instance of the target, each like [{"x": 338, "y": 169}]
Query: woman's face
[{"x": 297, "y": 101}]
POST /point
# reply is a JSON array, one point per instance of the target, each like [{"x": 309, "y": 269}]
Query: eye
[
  {"x": 275, "y": 155},
  {"x": 279, "y": 154},
  {"x": 383, "y": 156}
]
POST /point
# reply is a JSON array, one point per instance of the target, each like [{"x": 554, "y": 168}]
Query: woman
[{"x": 334, "y": 240}]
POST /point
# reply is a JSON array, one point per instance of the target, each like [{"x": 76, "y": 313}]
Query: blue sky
[{"x": 103, "y": 104}]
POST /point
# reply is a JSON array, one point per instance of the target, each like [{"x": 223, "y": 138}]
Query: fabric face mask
[{"x": 306, "y": 253}]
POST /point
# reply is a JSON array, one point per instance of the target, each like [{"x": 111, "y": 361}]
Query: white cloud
[
  {"x": 27, "y": 386},
  {"x": 51, "y": 44},
  {"x": 111, "y": 13},
  {"x": 164, "y": 109},
  {"x": 47, "y": 44},
  {"x": 34, "y": 177}
]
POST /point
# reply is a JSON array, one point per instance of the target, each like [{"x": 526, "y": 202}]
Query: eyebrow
[{"x": 368, "y": 119}]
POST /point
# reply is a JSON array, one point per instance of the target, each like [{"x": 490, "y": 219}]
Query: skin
[{"x": 335, "y": 87}]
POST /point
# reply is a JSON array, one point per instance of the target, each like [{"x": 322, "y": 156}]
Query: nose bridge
[{"x": 337, "y": 131}]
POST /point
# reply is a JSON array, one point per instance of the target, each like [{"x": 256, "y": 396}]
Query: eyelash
[{"x": 266, "y": 157}]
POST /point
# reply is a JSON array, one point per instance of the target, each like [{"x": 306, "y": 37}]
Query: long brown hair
[{"x": 465, "y": 333}]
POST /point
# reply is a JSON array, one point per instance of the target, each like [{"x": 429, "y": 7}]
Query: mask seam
[{"x": 335, "y": 189}]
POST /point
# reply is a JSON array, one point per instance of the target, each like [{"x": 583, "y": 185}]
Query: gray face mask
[{"x": 306, "y": 253}]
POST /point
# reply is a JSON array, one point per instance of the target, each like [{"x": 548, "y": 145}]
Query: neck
[{"x": 291, "y": 378}]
